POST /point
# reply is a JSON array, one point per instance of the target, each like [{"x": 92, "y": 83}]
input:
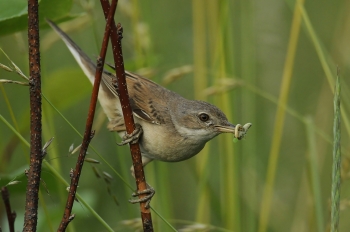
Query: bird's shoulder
[{"x": 149, "y": 100}]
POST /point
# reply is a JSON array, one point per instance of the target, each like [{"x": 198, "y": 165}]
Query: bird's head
[{"x": 201, "y": 120}]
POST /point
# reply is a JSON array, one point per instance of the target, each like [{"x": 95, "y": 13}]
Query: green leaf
[
  {"x": 14, "y": 15},
  {"x": 11, "y": 9}
]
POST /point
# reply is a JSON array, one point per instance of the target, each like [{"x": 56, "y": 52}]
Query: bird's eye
[{"x": 203, "y": 117}]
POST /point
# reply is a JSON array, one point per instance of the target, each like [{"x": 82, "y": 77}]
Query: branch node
[
  {"x": 71, "y": 217},
  {"x": 14, "y": 215},
  {"x": 99, "y": 62},
  {"x": 120, "y": 31},
  {"x": 92, "y": 134},
  {"x": 71, "y": 173}
]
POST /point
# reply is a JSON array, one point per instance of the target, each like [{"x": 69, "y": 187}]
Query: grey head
[{"x": 200, "y": 120}]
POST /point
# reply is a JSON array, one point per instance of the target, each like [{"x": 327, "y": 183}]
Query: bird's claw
[
  {"x": 241, "y": 131},
  {"x": 133, "y": 137},
  {"x": 146, "y": 199}
]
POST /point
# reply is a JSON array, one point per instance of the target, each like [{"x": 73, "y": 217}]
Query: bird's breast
[{"x": 164, "y": 143}]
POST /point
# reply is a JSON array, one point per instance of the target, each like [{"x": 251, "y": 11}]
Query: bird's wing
[{"x": 144, "y": 103}]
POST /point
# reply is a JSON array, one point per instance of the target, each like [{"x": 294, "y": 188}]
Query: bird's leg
[
  {"x": 147, "y": 199},
  {"x": 149, "y": 191},
  {"x": 133, "y": 137}
]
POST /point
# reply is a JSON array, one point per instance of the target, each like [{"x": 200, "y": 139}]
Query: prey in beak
[{"x": 238, "y": 130}]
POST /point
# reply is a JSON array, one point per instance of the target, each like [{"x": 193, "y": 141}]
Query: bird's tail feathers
[
  {"x": 107, "y": 95},
  {"x": 83, "y": 60}
]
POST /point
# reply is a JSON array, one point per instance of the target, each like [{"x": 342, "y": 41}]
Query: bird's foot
[
  {"x": 133, "y": 137},
  {"x": 241, "y": 131},
  {"x": 147, "y": 199}
]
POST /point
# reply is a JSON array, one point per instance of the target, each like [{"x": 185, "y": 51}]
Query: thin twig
[
  {"x": 116, "y": 37},
  {"x": 11, "y": 216},
  {"x": 32, "y": 198},
  {"x": 13, "y": 82},
  {"x": 67, "y": 216},
  {"x": 14, "y": 67}
]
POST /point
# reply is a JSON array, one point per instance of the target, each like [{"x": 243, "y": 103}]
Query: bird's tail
[
  {"x": 107, "y": 94},
  {"x": 85, "y": 63}
]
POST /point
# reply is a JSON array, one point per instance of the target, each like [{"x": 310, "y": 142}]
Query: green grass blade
[
  {"x": 336, "y": 160},
  {"x": 315, "y": 176},
  {"x": 200, "y": 83},
  {"x": 319, "y": 48},
  {"x": 279, "y": 121}
]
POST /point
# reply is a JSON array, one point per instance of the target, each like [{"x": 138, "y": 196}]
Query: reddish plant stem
[
  {"x": 32, "y": 193},
  {"x": 116, "y": 37},
  {"x": 11, "y": 216},
  {"x": 67, "y": 216}
]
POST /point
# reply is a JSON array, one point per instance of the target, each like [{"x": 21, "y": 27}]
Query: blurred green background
[{"x": 272, "y": 63}]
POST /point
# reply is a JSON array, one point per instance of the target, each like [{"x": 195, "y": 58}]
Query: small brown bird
[{"x": 174, "y": 128}]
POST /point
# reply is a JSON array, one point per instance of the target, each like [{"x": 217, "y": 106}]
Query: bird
[{"x": 172, "y": 128}]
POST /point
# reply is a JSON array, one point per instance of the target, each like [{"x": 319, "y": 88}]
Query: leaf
[
  {"x": 14, "y": 15},
  {"x": 12, "y": 9}
]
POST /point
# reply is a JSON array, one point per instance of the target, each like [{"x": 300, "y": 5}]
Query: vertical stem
[
  {"x": 200, "y": 83},
  {"x": 67, "y": 216},
  {"x": 336, "y": 159},
  {"x": 31, "y": 208},
  {"x": 224, "y": 55},
  {"x": 11, "y": 216},
  {"x": 279, "y": 121},
  {"x": 199, "y": 49},
  {"x": 323, "y": 60},
  {"x": 314, "y": 172},
  {"x": 249, "y": 112},
  {"x": 116, "y": 37}
]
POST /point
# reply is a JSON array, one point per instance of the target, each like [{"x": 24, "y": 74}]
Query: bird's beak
[{"x": 226, "y": 129}]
